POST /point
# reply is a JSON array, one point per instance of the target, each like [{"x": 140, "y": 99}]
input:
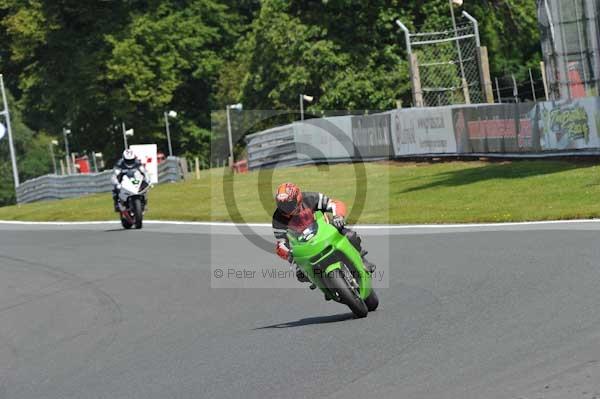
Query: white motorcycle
[{"x": 132, "y": 199}]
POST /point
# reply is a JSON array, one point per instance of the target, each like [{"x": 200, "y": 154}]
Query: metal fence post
[
  {"x": 53, "y": 158},
  {"x": 416, "y": 81},
  {"x": 94, "y": 161},
  {"x": 465, "y": 85},
  {"x": 413, "y": 68},
  {"x": 498, "y": 91},
  {"x": 543, "y": 69},
  {"x": 532, "y": 86},
  {"x": 484, "y": 73}
]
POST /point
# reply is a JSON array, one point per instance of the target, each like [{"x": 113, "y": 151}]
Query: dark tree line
[{"x": 90, "y": 65}]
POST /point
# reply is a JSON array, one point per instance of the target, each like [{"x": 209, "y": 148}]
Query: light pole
[
  {"x": 128, "y": 132},
  {"x": 51, "y": 145},
  {"x": 11, "y": 145},
  {"x": 237, "y": 107},
  {"x": 66, "y": 132},
  {"x": 307, "y": 98},
  {"x": 171, "y": 114}
]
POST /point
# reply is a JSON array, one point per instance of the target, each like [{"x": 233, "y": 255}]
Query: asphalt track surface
[{"x": 91, "y": 311}]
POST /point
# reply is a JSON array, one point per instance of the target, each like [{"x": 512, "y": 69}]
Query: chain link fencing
[
  {"x": 448, "y": 66},
  {"x": 570, "y": 33},
  {"x": 515, "y": 88}
]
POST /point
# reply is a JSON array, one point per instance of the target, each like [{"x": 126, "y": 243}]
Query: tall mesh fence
[
  {"x": 443, "y": 59},
  {"x": 570, "y": 31},
  {"x": 513, "y": 88}
]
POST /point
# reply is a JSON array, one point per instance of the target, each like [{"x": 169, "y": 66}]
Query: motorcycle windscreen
[{"x": 306, "y": 234}]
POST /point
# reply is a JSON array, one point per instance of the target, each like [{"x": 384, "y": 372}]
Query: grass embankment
[{"x": 395, "y": 193}]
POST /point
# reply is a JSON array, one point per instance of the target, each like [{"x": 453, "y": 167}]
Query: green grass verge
[{"x": 395, "y": 193}]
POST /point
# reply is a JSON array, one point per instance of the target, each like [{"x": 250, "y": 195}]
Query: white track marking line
[
  {"x": 16, "y": 222},
  {"x": 358, "y": 226}
]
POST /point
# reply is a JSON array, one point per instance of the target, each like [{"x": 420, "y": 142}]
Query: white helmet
[{"x": 129, "y": 157}]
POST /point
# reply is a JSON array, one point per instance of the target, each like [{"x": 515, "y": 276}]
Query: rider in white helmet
[{"x": 127, "y": 162}]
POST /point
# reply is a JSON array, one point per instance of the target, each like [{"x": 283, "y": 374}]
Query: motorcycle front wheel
[
  {"x": 372, "y": 301},
  {"x": 138, "y": 212},
  {"x": 346, "y": 294}
]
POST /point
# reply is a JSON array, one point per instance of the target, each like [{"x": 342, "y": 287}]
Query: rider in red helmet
[{"x": 295, "y": 208}]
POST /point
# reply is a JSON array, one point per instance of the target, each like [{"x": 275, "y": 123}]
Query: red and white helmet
[{"x": 288, "y": 198}]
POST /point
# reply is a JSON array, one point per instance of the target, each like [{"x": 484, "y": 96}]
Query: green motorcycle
[{"x": 334, "y": 265}]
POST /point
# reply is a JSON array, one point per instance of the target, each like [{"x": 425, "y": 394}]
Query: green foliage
[
  {"x": 33, "y": 155},
  {"x": 350, "y": 55},
  {"x": 93, "y": 65},
  {"x": 301, "y": 59},
  {"x": 169, "y": 57},
  {"x": 161, "y": 50},
  {"x": 322, "y": 51},
  {"x": 509, "y": 28}
]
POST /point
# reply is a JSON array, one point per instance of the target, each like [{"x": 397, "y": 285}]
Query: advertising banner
[
  {"x": 423, "y": 131},
  {"x": 570, "y": 124},
  {"x": 147, "y": 153},
  {"x": 495, "y": 128},
  {"x": 324, "y": 138},
  {"x": 371, "y": 135}
]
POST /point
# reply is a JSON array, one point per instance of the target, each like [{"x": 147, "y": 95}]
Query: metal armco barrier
[
  {"x": 272, "y": 147},
  {"x": 51, "y": 187},
  {"x": 371, "y": 135},
  {"x": 540, "y": 129}
]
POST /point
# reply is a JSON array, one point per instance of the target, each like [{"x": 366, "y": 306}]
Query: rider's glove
[
  {"x": 118, "y": 186},
  {"x": 338, "y": 221},
  {"x": 283, "y": 251}
]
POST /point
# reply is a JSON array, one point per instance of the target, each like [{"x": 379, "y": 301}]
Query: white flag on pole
[{"x": 2, "y": 131}]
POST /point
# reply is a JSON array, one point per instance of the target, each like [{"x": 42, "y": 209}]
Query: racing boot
[
  {"x": 115, "y": 196},
  {"x": 301, "y": 277},
  {"x": 368, "y": 265}
]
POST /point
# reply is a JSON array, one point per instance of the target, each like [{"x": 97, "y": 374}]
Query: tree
[
  {"x": 168, "y": 58},
  {"x": 33, "y": 158},
  {"x": 92, "y": 65}
]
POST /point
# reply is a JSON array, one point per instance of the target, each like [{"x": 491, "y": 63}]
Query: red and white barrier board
[{"x": 147, "y": 153}]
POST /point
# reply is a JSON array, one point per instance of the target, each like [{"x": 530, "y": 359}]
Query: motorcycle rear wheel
[
  {"x": 346, "y": 294},
  {"x": 125, "y": 223}
]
